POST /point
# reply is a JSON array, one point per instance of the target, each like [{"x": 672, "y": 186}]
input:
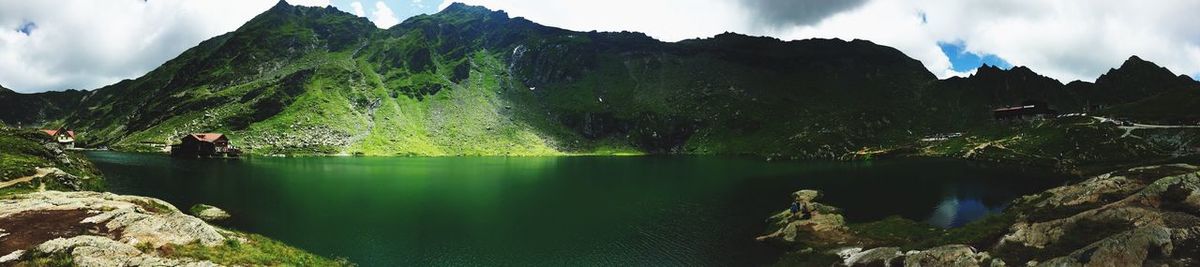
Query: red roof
[
  {"x": 55, "y": 133},
  {"x": 207, "y": 137},
  {"x": 1014, "y": 108}
]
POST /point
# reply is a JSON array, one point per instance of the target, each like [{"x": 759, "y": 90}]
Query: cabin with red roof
[
  {"x": 62, "y": 136},
  {"x": 1029, "y": 110},
  {"x": 204, "y": 145}
]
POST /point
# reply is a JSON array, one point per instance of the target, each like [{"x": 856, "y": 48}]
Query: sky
[{"x": 86, "y": 44}]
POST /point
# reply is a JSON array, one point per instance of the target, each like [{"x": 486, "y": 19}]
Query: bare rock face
[{"x": 99, "y": 229}]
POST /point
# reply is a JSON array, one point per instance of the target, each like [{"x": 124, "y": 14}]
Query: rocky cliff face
[{"x": 1135, "y": 217}]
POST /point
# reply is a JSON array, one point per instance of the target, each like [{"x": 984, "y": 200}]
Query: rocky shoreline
[
  {"x": 1133, "y": 217},
  {"x": 53, "y": 228},
  {"x": 50, "y": 215},
  {"x": 100, "y": 229}
]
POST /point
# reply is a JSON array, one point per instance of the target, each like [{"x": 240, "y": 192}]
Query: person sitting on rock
[
  {"x": 802, "y": 209},
  {"x": 798, "y": 215}
]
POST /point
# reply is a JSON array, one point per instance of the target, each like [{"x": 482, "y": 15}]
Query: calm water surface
[{"x": 554, "y": 211}]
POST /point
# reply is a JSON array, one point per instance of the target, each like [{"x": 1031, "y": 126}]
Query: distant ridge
[{"x": 473, "y": 81}]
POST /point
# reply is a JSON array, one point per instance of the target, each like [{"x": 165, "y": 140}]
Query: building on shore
[
  {"x": 1027, "y": 111},
  {"x": 204, "y": 145},
  {"x": 62, "y": 136}
]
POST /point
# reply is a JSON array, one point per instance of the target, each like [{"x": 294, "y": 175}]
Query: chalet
[
  {"x": 204, "y": 145},
  {"x": 1029, "y": 110},
  {"x": 62, "y": 136}
]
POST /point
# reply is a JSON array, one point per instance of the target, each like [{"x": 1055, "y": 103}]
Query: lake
[{"x": 555, "y": 211}]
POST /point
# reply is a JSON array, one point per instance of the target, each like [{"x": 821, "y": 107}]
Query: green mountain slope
[
  {"x": 37, "y": 109},
  {"x": 472, "y": 81}
]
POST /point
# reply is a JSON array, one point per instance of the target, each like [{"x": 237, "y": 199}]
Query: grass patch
[
  {"x": 152, "y": 206},
  {"x": 912, "y": 235},
  {"x": 46, "y": 259},
  {"x": 807, "y": 259},
  {"x": 257, "y": 250}
]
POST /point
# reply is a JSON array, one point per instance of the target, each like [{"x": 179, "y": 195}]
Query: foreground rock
[
  {"x": 1137, "y": 217},
  {"x": 807, "y": 219},
  {"x": 99, "y": 229},
  {"x": 209, "y": 213}
]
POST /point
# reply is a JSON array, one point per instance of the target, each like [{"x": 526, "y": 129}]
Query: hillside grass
[{"x": 246, "y": 249}]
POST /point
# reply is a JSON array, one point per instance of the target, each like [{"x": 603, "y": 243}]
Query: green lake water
[{"x": 554, "y": 211}]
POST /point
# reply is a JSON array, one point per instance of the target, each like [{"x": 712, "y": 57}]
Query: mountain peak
[
  {"x": 458, "y": 8},
  {"x": 282, "y": 5},
  {"x": 1136, "y": 66},
  {"x": 1135, "y": 61}
]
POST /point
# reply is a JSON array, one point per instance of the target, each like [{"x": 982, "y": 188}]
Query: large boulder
[{"x": 98, "y": 229}]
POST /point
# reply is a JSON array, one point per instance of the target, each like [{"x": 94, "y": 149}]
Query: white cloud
[
  {"x": 85, "y": 44},
  {"x": 357, "y": 9},
  {"x": 316, "y": 3},
  {"x": 1066, "y": 40},
  {"x": 383, "y": 16}
]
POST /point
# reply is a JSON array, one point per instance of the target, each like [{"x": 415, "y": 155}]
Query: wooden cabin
[
  {"x": 1029, "y": 110},
  {"x": 62, "y": 136},
  {"x": 204, "y": 145}
]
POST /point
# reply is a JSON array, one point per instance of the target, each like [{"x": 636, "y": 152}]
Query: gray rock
[
  {"x": 209, "y": 213},
  {"x": 118, "y": 222},
  {"x": 88, "y": 250},
  {"x": 948, "y": 255},
  {"x": 883, "y": 256}
]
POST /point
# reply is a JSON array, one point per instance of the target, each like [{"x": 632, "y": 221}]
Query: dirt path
[{"x": 40, "y": 173}]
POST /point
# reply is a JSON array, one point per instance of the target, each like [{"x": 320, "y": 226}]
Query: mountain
[
  {"x": 1136, "y": 79},
  {"x": 37, "y": 109},
  {"x": 472, "y": 81},
  {"x": 1144, "y": 91}
]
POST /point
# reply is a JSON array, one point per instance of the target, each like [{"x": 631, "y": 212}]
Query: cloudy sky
[{"x": 86, "y": 44}]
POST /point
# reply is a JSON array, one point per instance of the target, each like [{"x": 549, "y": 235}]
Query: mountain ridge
[{"x": 471, "y": 81}]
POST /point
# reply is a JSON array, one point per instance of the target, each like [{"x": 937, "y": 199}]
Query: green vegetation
[
  {"x": 46, "y": 259},
  {"x": 471, "y": 81},
  {"x": 911, "y": 235},
  {"x": 23, "y": 151},
  {"x": 255, "y": 250},
  {"x": 1082, "y": 145}
]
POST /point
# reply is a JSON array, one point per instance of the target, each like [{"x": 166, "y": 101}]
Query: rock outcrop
[
  {"x": 1125, "y": 218},
  {"x": 209, "y": 213},
  {"x": 823, "y": 223},
  {"x": 99, "y": 229},
  {"x": 1137, "y": 217}
]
